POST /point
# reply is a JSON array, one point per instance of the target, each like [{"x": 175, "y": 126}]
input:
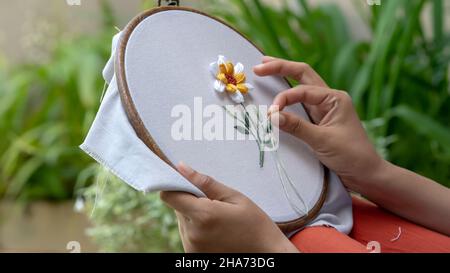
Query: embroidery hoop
[{"x": 146, "y": 137}]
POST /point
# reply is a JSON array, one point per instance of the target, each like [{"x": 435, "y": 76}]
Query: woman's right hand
[
  {"x": 340, "y": 142},
  {"x": 337, "y": 137}
]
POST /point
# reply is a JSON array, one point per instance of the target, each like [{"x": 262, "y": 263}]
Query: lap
[{"x": 372, "y": 224}]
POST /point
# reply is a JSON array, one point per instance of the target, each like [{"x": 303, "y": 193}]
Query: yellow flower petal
[
  {"x": 240, "y": 77},
  {"x": 242, "y": 88},
  {"x": 221, "y": 77},
  {"x": 231, "y": 88},
  {"x": 223, "y": 68},
  {"x": 229, "y": 68}
]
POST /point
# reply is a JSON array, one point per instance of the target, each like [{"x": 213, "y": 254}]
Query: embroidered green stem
[{"x": 246, "y": 127}]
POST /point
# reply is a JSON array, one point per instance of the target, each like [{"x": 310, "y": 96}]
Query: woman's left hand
[{"x": 225, "y": 221}]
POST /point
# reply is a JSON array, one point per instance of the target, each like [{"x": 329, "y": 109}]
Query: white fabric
[
  {"x": 164, "y": 73},
  {"x": 113, "y": 142}
]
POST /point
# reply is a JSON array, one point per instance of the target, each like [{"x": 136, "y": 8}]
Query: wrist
[
  {"x": 373, "y": 178},
  {"x": 378, "y": 179}
]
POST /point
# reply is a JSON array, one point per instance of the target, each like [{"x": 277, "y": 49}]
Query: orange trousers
[{"x": 374, "y": 230}]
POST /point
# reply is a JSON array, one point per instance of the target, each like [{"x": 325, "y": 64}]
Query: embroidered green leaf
[
  {"x": 247, "y": 120},
  {"x": 269, "y": 145},
  {"x": 261, "y": 159},
  {"x": 242, "y": 130},
  {"x": 269, "y": 128}
]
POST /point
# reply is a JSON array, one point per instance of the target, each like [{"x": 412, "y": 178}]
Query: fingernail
[
  {"x": 278, "y": 119},
  {"x": 268, "y": 58},
  {"x": 259, "y": 66},
  {"x": 273, "y": 109},
  {"x": 185, "y": 169}
]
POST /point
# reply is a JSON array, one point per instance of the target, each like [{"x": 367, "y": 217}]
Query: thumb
[
  {"x": 298, "y": 127},
  {"x": 210, "y": 187}
]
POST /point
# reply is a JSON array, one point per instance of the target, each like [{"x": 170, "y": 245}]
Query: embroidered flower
[{"x": 230, "y": 78}]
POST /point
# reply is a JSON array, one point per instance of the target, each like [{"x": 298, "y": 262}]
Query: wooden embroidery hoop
[{"x": 144, "y": 134}]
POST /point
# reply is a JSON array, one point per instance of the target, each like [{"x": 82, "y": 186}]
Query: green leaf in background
[
  {"x": 383, "y": 35},
  {"x": 423, "y": 124}
]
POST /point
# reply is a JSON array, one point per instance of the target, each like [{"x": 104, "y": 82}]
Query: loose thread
[
  {"x": 398, "y": 236},
  {"x": 98, "y": 193},
  {"x": 281, "y": 170},
  {"x": 103, "y": 91},
  {"x": 283, "y": 175}
]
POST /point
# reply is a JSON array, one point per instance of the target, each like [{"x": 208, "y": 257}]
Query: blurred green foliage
[
  {"x": 45, "y": 111},
  {"x": 125, "y": 220},
  {"x": 398, "y": 80}
]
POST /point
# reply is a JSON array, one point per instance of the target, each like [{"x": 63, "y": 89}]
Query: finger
[
  {"x": 301, "y": 72},
  {"x": 182, "y": 219},
  {"x": 211, "y": 188},
  {"x": 290, "y": 123},
  {"x": 182, "y": 222},
  {"x": 307, "y": 94},
  {"x": 183, "y": 202}
]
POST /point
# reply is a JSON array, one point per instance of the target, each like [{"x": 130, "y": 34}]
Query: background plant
[
  {"x": 125, "y": 220},
  {"x": 45, "y": 111}
]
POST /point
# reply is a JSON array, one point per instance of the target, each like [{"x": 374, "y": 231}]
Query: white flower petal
[
  {"x": 238, "y": 68},
  {"x": 214, "y": 68},
  {"x": 219, "y": 86},
  {"x": 237, "y": 97},
  {"x": 249, "y": 86},
  {"x": 221, "y": 60}
]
